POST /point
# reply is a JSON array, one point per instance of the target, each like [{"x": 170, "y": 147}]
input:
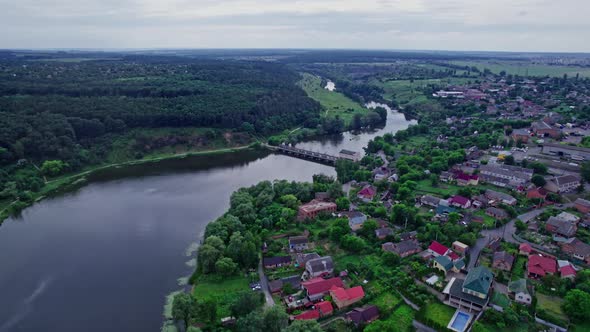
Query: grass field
[
  {"x": 518, "y": 269},
  {"x": 223, "y": 291},
  {"x": 386, "y": 302},
  {"x": 407, "y": 92},
  {"x": 334, "y": 102},
  {"x": 439, "y": 313},
  {"x": 551, "y": 304},
  {"x": 524, "y": 68},
  {"x": 403, "y": 316}
]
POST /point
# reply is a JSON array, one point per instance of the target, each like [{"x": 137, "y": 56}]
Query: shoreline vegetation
[{"x": 72, "y": 181}]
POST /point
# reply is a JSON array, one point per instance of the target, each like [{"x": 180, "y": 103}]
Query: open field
[
  {"x": 334, "y": 102},
  {"x": 407, "y": 91},
  {"x": 552, "y": 305},
  {"x": 522, "y": 68},
  {"x": 223, "y": 291},
  {"x": 439, "y": 313}
]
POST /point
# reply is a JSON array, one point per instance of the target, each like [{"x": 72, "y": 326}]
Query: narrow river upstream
[{"x": 104, "y": 257}]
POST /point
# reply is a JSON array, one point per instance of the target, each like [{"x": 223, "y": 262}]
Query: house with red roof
[
  {"x": 464, "y": 179},
  {"x": 317, "y": 288},
  {"x": 567, "y": 271},
  {"x": 525, "y": 249},
  {"x": 437, "y": 249},
  {"x": 345, "y": 297},
  {"x": 540, "y": 266},
  {"x": 460, "y": 201},
  {"x": 367, "y": 193},
  {"x": 536, "y": 193},
  {"x": 320, "y": 309}
]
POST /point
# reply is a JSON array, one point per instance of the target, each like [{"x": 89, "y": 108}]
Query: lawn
[
  {"x": 552, "y": 305},
  {"x": 407, "y": 92},
  {"x": 403, "y": 316},
  {"x": 443, "y": 189},
  {"x": 518, "y": 269},
  {"x": 524, "y": 68},
  {"x": 334, "y": 102},
  {"x": 439, "y": 313},
  {"x": 223, "y": 291},
  {"x": 386, "y": 302}
]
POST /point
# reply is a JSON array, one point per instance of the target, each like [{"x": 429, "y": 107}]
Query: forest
[{"x": 60, "y": 115}]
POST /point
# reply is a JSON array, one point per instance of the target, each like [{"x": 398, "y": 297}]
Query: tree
[
  {"x": 290, "y": 201},
  {"x": 368, "y": 229},
  {"x": 208, "y": 256},
  {"x": 520, "y": 225},
  {"x": 181, "y": 307},
  {"x": 538, "y": 180},
  {"x": 246, "y": 303},
  {"x": 352, "y": 243},
  {"x": 390, "y": 259},
  {"x": 539, "y": 168},
  {"x": 275, "y": 319},
  {"x": 343, "y": 203},
  {"x": 577, "y": 305},
  {"x": 509, "y": 160},
  {"x": 335, "y": 190},
  {"x": 226, "y": 266},
  {"x": 251, "y": 322},
  {"x": 53, "y": 167},
  {"x": 304, "y": 326}
]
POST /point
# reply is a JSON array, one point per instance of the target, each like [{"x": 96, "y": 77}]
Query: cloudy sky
[{"x": 500, "y": 25}]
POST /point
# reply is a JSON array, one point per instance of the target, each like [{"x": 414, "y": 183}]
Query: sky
[{"x": 478, "y": 25}]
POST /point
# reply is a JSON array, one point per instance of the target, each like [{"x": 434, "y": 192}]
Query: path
[
  {"x": 264, "y": 284},
  {"x": 421, "y": 327}
]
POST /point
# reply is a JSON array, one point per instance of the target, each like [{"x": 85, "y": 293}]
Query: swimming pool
[{"x": 459, "y": 321}]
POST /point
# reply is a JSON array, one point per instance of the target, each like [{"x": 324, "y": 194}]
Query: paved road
[
  {"x": 264, "y": 283},
  {"x": 506, "y": 232}
]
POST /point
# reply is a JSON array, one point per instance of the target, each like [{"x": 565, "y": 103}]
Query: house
[
  {"x": 525, "y": 249},
  {"x": 460, "y": 202},
  {"x": 380, "y": 173},
  {"x": 497, "y": 213},
  {"x": 350, "y": 155},
  {"x": 505, "y": 175},
  {"x": 346, "y": 297},
  {"x": 382, "y": 233},
  {"x": 356, "y": 219},
  {"x": 363, "y": 315},
  {"x": 319, "y": 267},
  {"x": 563, "y": 184},
  {"x": 298, "y": 243},
  {"x": 437, "y": 249},
  {"x": 275, "y": 262},
  {"x": 317, "y": 288},
  {"x": 314, "y": 208},
  {"x": 539, "y": 266},
  {"x": 367, "y": 193},
  {"x": 494, "y": 244},
  {"x": 445, "y": 264},
  {"x": 500, "y": 197},
  {"x": 471, "y": 293},
  {"x": 561, "y": 227},
  {"x": 521, "y": 135},
  {"x": 301, "y": 259},
  {"x": 480, "y": 201},
  {"x": 582, "y": 205},
  {"x": 503, "y": 261},
  {"x": 543, "y": 129},
  {"x": 460, "y": 247},
  {"x": 430, "y": 200},
  {"x": 521, "y": 291},
  {"x": 403, "y": 248},
  {"x": 577, "y": 249},
  {"x": 536, "y": 193},
  {"x": 320, "y": 309},
  {"x": 566, "y": 270},
  {"x": 408, "y": 235},
  {"x": 446, "y": 176},
  {"x": 466, "y": 179}
]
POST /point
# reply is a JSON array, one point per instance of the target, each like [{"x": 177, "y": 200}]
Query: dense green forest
[{"x": 70, "y": 112}]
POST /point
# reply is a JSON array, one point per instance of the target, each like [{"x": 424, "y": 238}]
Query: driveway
[{"x": 264, "y": 284}]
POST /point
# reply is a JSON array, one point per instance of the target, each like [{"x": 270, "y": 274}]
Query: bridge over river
[{"x": 306, "y": 154}]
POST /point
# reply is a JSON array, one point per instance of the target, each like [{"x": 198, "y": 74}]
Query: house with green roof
[
  {"x": 478, "y": 282},
  {"x": 471, "y": 293}
]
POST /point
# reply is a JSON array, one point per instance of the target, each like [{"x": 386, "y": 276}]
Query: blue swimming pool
[{"x": 459, "y": 321}]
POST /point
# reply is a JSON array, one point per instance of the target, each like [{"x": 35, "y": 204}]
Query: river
[{"x": 104, "y": 257}]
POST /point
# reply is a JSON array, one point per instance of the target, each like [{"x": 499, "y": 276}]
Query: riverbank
[{"x": 72, "y": 181}]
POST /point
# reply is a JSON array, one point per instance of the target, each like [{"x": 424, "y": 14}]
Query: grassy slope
[
  {"x": 520, "y": 68},
  {"x": 334, "y": 102}
]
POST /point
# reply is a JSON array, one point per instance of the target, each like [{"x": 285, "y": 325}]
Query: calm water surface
[{"x": 103, "y": 258}]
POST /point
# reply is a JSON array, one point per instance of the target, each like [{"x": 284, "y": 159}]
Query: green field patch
[
  {"x": 525, "y": 68},
  {"x": 439, "y": 313},
  {"x": 222, "y": 290},
  {"x": 551, "y": 305},
  {"x": 518, "y": 268},
  {"x": 386, "y": 302},
  {"x": 333, "y": 102}
]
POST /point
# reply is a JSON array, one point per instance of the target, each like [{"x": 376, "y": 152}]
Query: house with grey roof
[
  {"x": 403, "y": 248},
  {"x": 500, "y": 197},
  {"x": 563, "y": 184},
  {"x": 319, "y": 267},
  {"x": 430, "y": 200},
  {"x": 561, "y": 227}
]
